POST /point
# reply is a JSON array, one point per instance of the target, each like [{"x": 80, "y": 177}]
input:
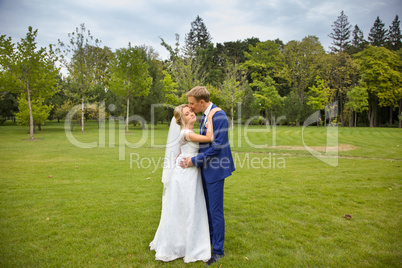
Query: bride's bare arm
[{"x": 210, "y": 130}]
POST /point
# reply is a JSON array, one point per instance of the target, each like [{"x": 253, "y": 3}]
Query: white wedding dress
[{"x": 183, "y": 230}]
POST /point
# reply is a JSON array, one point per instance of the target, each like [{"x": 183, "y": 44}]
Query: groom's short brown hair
[{"x": 199, "y": 93}]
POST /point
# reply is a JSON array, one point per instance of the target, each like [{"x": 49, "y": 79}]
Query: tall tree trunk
[
  {"x": 351, "y": 119},
  {"x": 128, "y": 107},
  {"x": 355, "y": 119},
  {"x": 400, "y": 113},
  {"x": 272, "y": 118},
  {"x": 232, "y": 113},
  {"x": 341, "y": 101},
  {"x": 82, "y": 112},
  {"x": 372, "y": 112},
  {"x": 31, "y": 123},
  {"x": 390, "y": 114}
]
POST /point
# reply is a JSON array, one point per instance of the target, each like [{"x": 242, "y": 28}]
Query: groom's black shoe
[{"x": 214, "y": 258}]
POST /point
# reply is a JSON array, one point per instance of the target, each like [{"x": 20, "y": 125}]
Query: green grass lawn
[{"x": 65, "y": 206}]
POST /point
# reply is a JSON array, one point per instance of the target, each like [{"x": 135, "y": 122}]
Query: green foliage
[
  {"x": 358, "y": 99},
  {"x": 130, "y": 76},
  {"x": 267, "y": 96},
  {"x": 304, "y": 60},
  {"x": 295, "y": 109},
  {"x": 169, "y": 88},
  {"x": 264, "y": 59},
  {"x": 87, "y": 66},
  {"x": 40, "y": 111},
  {"x": 233, "y": 87},
  {"x": 381, "y": 74},
  {"x": 319, "y": 94},
  {"x": 8, "y": 104},
  {"x": 30, "y": 72},
  {"x": 63, "y": 109},
  {"x": 274, "y": 70},
  {"x": 187, "y": 73}
]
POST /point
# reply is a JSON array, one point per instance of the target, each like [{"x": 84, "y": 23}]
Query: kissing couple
[{"x": 194, "y": 171}]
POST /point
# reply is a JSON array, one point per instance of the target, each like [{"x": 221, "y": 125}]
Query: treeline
[{"x": 253, "y": 80}]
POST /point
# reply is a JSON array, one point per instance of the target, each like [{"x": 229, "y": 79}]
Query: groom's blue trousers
[{"x": 214, "y": 200}]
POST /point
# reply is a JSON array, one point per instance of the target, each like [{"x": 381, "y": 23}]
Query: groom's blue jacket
[{"x": 215, "y": 158}]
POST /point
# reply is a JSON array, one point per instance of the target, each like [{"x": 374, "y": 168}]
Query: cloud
[{"x": 140, "y": 22}]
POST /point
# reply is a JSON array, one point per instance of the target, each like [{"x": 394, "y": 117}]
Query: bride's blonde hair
[{"x": 178, "y": 114}]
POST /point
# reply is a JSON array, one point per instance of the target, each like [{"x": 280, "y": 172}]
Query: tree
[
  {"x": 358, "y": 42},
  {"x": 156, "y": 93},
  {"x": 394, "y": 35},
  {"x": 264, "y": 63},
  {"x": 169, "y": 88},
  {"x": 357, "y": 101},
  {"x": 28, "y": 71},
  {"x": 233, "y": 87},
  {"x": 78, "y": 58},
  {"x": 63, "y": 109},
  {"x": 319, "y": 96},
  {"x": 197, "y": 38},
  {"x": 382, "y": 76},
  {"x": 187, "y": 71},
  {"x": 130, "y": 76},
  {"x": 340, "y": 34},
  {"x": 235, "y": 51},
  {"x": 295, "y": 108},
  {"x": 304, "y": 62},
  {"x": 8, "y": 105},
  {"x": 342, "y": 76},
  {"x": 39, "y": 111},
  {"x": 264, "y": 59},
  {"x": 378, "y": 34},
  {"x": 268, "y": 97},
  {"x": 174, "y": 53}
]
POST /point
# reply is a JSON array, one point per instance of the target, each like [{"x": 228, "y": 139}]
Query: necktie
[{"x": 202, "y": 125}]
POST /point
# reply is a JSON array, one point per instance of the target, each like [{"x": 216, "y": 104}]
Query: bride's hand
[{"x": 212, "y": 112}]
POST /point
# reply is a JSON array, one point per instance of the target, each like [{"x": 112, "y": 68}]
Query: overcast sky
[{"x": 117, "y": 22}]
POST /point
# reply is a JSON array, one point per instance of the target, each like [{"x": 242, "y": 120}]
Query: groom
[{"x": 216, "y": 163}]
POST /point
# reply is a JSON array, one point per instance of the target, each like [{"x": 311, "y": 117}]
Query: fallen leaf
[
  {"x": 76, "y": 166},
  {"x": 247, "y": 258},
  {"x": 390, "y": 189},
  {"x": 50, "y": 176},
  {"x": 47, "y": 218},
  {"x": 148, "y": 178}
]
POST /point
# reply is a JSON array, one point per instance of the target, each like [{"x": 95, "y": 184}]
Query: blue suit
[{"x": 216, "y": 163}]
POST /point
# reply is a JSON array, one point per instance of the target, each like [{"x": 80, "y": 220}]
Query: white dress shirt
[{"x": 206, "y": 113}]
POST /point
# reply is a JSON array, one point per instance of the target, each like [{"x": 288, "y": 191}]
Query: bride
[{"x": 183, "y": 230}]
